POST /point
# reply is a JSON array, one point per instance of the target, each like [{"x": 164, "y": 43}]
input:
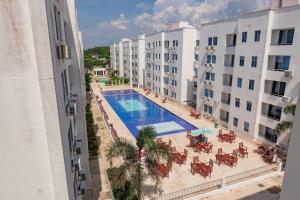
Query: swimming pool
[{"x": 137, "y": 111}]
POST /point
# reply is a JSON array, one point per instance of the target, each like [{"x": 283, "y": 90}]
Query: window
[
  {"x": 274, "y": 112},
  {"x": 174, "y": 82},
  {"x": 207, "y": 109},
  {"x": 282, "y": 62},
  {"x": 257, "y": 36},
  {"x": 215, "y": 40},
  {"x": 237, "y": 102},
  {"x": 254, "y": 61},
  {"x": 210, "y": 41},
  {"x": 197, "y": 43},
  {"x": 64, "y": 81},
  {"x": 249, "y": 106},
  {"x": 57, "y": 18},
  {"x": 246, "y": 126},
  {"x": 209, "y": 93},
  {"x": 211, "y": 59},
  {"x": 70, "y": 138},
  {"x": 239, "y": 82},
  {"x": 174, "y": 70},
  {"x": 242, "y": 60},
  {"x": 235, "y": 122},
  {"x": 278, "y": 88},
  {"x": 286, "y": 37},
  {"x": 210, "y": 76},
  {"x": 251, "y": 84},
  {"x": 244, "y": 36},
  {"x": 271, "y": 134},
  {"x": 197, "y": 57}
]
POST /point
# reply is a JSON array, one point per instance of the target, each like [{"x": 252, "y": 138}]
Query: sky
[{"x": 106, "y": 21}]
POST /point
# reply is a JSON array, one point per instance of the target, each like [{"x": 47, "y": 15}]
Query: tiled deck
[{"x": 181, "y": 177}]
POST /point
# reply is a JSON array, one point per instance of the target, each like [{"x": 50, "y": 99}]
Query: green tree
[
  {"x": 136, "y": 157},
  {"x": 286, "y": 125}
]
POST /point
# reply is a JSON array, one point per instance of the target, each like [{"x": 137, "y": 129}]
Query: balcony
[
  {"x": 227, "y": 80},
  {"x": 270, "y": 111},
  {"x": 230, "y": 40},
  {"x": 275, "y": 88},
  {"x": 282, "y": 36},
  {"x": 229, "y": 60},
  {"x": 225, "y": 98},
  {"x": 267, "y": 133},
  {"x": 224, "y": 116}
]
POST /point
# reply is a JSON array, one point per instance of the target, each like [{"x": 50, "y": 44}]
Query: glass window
[
  {"x": 57, "y": 18},
  {"x": 207, "y": 76},
  {"x": 254, "y": 61},
  {"x": 208, "y": 59},
  {"x": 212, "y": 76},
  {"x": 286, "y": 37},
  {"x": 249, "y": 106},
  {"x": 242, "y": 60},
  {"x": 197, "y": 43},
  {"x": 237, "y": 102},
  {"x": 244, "y": 36},
  {"x": 251, "y": 84},
  {"x": 239, "y": 82},
  {"x": 210, "y": 41},
  {"x": 64, "y": 81},
  {"x": 206, "y": 92},
  {"x": 213, "y": 59},
  {"x": 246, "y": 126},
  {"x": 211, "y": 94},
  {"x": 235, "y": 122},
  {"x": 257, "y": 36},
  {"x": 215, "y": 41}
]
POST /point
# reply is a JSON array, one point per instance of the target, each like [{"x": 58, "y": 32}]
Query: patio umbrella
[{"x": 200, "y": 131}]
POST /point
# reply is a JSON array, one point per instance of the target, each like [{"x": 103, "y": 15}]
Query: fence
[{"x": 221, "y": 183}]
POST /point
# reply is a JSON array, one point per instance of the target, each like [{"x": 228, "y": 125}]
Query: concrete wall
[
  {"x": 290, "y": 187},
  {"x": 34, "y": 146}
]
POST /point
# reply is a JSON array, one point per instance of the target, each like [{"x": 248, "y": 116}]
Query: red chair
[
  {"x": 180, "y": 158},
  {"x": 164, "y": 100},
  {"x": 156, "y": 95},
  {"x": 243, "y": 151},
  {"x": 208, "y": 148}
]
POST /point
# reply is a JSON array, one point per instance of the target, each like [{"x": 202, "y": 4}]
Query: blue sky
[{"x": 105, "y": 21}]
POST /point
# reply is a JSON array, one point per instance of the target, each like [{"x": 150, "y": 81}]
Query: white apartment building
[
  {"x": 248, "y": 69},
  {"x": 43, "y": 145},
  {"x": 169, "y": 62},
  {"x": 127, "y": 58},
  {"x": 119, "y": 58},
  {"x": 138, "y": 60},
  {"x": 113, "y": 61}
]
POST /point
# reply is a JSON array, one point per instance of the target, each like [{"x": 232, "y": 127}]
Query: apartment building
[
  {"x": 127, "y": 58},
  {"x": 112, "y": 49},
  {"x": 138, "y": 60},
  {"x": 119, "y": 58},
  {"x": 169, "y": 62},
  {"x": 43, "y": 146},
  {"x": 248, "y": 69}
]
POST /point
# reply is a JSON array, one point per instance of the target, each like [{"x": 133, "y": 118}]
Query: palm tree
[{"x": 136, "y": 157}]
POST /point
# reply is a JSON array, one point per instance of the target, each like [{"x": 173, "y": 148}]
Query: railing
[
  {"x": 205, "y": 187},
  {"x": 249, "y": 174},
  {"x": 220, "y": 183}
]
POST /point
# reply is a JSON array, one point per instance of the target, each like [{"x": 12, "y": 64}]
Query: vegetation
[
  {"x": 88, "y": 80},
  {"x": 97, "y": 56},
  {"x": 286, "y": 125},
  {"x": 120, "y": 191},
  {"x": 91, "y": 133},
  {"x": 136, "y": 157},
  {"x": 119, "y": 79}
]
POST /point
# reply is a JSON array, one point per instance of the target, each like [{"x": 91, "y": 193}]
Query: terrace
[{"x": 181, "y": 182}]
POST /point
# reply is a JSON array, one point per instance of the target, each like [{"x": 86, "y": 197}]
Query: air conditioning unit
[
  {"x": 206, "y": 64},
  {"x": 81, "y": 187},
  {"x": 208, "y": 47},
  {"x": 204, "y": 97},
  {"x": 196, "y": 48},
  {"x": 215, "y": 100},
  {"x": 286, "y": 99},
  {"x": 206, "y": 81},
  {"x": 211, "y": 65},
  {"x": 210, "y": 82},
  {"x": 76, "y": 163},
  {"x": 288, "y": 73},
  {"x": 209, "y": 99},
  {"x": 71, "y": 108},
  {"x": 77, "y": 145}
]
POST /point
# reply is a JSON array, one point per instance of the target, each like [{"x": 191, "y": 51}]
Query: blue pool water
[{"x": 137, "y": 111}]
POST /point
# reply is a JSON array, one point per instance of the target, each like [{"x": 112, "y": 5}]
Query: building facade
[
  {"x": 43, "y": 144},
  {"x": 169, "y": 62},
  {"x": 248, "y": 70},
  {"x": 112, "y": 49},
  {"x": 138, "y": 61}
]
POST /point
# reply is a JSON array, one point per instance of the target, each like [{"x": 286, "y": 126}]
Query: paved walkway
[{"x": 268, "y": 189}]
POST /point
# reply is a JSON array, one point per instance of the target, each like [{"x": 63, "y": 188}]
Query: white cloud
[
  {"x": 121, "y": 23},
  {"x": 167, "y": 12}
]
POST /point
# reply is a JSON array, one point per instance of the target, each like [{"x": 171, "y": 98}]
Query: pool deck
[{"x": 181, "y": 177}]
